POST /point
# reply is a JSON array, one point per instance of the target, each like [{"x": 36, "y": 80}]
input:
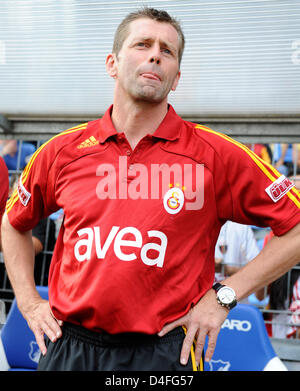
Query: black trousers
[{"x": 80, "y": 349}]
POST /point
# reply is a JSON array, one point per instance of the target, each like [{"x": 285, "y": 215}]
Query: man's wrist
[{"x": 225, "y": 295}]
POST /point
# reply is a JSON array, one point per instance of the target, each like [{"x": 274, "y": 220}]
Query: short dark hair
[{"x": 151, "y": 13}]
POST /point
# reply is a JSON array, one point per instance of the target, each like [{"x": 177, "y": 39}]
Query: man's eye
[
  {"x": 141, "y": 44},
  {"x": 167, "y": 51}
]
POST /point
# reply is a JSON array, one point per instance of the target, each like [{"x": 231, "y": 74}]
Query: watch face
[{"x": 226, "y": 295}]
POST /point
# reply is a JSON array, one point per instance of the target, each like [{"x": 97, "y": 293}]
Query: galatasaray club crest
[{"x": 174, "y": 200}]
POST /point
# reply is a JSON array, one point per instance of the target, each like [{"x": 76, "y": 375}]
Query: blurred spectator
[
  {"x": 4, "y": 187},
  {"x": 236, "y": 246},
  {"x": 284, "y": 325},
  {"x": 43, "y": 237},
  {"x": 16, "y": 154},
  {"x": 296, "y": 157},
  {"x": 283, "y": 158},
  {"x": 58, "y": 218},
  {"x": 262, "y": 150},
  {"x": 296, "y": 179},
  {"x": 284, "y": 295}
]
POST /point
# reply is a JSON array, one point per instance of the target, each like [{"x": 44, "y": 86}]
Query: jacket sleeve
[
  {"x": 253, "y": 192},
  {"x": 34, "y": 197}
]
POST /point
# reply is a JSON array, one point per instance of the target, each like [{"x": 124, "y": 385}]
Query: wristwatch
[{"x": 225, "y": 295}]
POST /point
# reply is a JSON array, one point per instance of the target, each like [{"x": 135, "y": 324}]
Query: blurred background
[{"x": 241, "y": 62}]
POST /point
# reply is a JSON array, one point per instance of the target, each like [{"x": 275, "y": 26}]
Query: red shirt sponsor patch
[
  {"x": 279, "y": 188},
  {"x": 23, "y": 193}
]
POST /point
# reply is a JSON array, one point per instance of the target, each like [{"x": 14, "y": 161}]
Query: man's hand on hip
[
  {"x": 204, "y": 319},
  {"x": 41, "y": 321}
]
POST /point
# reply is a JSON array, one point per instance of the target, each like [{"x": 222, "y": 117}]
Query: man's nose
[
  {"x": 155, "y": 59},
  {"x": 155, "y": 54}
]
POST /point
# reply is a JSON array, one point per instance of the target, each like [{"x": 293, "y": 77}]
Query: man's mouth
[{"x": 151, "y": 75}]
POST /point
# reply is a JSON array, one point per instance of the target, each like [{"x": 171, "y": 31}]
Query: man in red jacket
[{"x": 134, "y": 260}]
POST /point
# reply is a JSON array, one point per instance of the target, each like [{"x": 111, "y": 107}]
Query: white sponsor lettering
[
  {"x": 120, "y": 242},
  {"x": 24, "y": 195},
  {"x": 2, "y": 52},
  {"x": 161, "y": 249},
  {"x": 296, "y": 52},
  {"x": 83, "y": 248},
  {"x": 240, "y": 325},
  {"x": 279, "y": 188}
]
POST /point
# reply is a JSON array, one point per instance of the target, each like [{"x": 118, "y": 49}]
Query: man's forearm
[
  {"x": 18, "y": 254},
  {"x": 229, "y": 269},
  {"x": 19, "y": 260},
  {"x": 277, "y": 257}
]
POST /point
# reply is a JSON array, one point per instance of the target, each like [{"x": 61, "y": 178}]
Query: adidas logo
[{"x": 90, "y": 142}]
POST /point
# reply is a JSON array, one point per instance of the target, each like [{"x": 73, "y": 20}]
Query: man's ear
[
  {"x": 176, "y": 80},
  {"x": 111, "y": 67}
]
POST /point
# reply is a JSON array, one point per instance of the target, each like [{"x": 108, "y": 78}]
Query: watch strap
[
  {"x": 217, "y": 286},
  {"x": 232, "y": 305}
]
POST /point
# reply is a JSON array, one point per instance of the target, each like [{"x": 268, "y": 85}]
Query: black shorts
[{"x": 80, "y": 349}]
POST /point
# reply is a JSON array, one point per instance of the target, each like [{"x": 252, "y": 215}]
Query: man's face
[{"x": 147, "y": 66}]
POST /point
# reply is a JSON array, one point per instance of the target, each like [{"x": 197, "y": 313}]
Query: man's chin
[{"x": 150, "y": 95}]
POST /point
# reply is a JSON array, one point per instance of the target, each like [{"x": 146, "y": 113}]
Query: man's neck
[{"x": 137, "y": 120}]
